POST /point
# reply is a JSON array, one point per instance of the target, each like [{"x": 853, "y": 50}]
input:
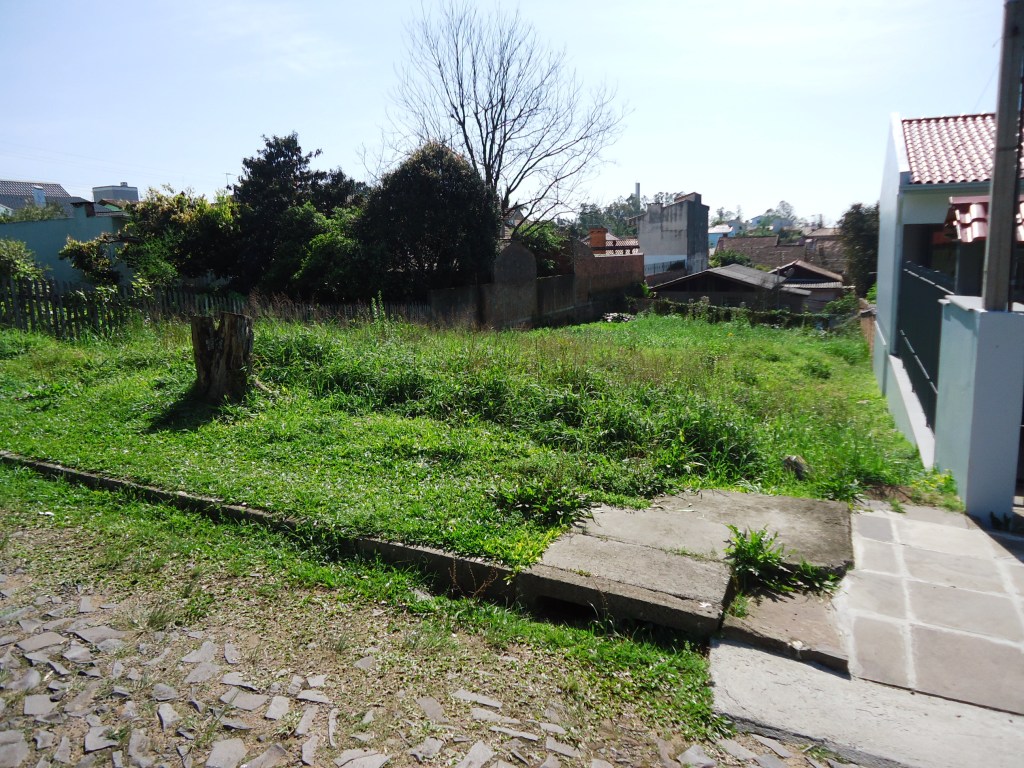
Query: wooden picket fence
[{"x": 70, "y": 312}]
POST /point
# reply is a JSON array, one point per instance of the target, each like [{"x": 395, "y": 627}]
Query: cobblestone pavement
[{"x": 98, "y": 675}]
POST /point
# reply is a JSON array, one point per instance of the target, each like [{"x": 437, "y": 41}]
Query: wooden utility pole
[{"x": 1003, "y": 206}]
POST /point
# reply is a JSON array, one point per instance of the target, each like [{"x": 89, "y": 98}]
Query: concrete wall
[
  {"x": 977, "y": 421},
  {"x": 597, "y": 275},
  {"x": 46, "y": 238},
  {"x": 518, "y": 298},
  {"x": 676, "y": 230}
]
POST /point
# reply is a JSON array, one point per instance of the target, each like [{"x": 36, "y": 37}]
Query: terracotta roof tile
[
  {"x": 950, "y": 150},
  {"x": 967, "y": 219}
]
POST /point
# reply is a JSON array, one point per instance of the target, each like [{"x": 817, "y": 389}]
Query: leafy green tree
[
  {"x": 281, "y": 177},
  {"x": 297, "y": 228},
  {"x": 548, "y": 243},
  {"x": 18, "y": 262},
  {"x": 435, "y": 222},
  {"x": 33, "y": 212},
  {"x": 93, "y": 258},
  {"x": 722, "y": 216},
  {"x": 615, "y": 217},
  {"x": 168, "y": 234},
  {"x": 858, "y": 234},
  {"x": 726, "y": 257},
  {"x": 337, "y": 266}
]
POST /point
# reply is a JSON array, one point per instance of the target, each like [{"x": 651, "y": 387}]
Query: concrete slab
[
  {"x": 875, "y": 593},
  {"x": 870, "y": 724},
  {"x": 942, "y": 538},
  {"x": 874, "y": 526},
  {"x": 939, "y": 517},
  {"x": 977, "y": 573},
  {"x": 878, "y": 556},
  {"x": 640, "y": 566},
  {"x": 882, "y": 651},
  {"x": 977, "y": 612},
  {"x": 799, "y": 626},
  {"x": 544, "y": 587},
  {"x": 818, "y": 531},
  {"x": 968, "y": 668}
]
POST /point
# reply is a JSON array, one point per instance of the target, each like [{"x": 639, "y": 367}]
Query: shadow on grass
[{"x": 186, "y": 414}]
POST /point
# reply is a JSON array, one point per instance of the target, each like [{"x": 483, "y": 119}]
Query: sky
[{"x": 748, "y": 102}]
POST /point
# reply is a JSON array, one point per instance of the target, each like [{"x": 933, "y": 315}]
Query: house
[
  {"x": 46, "y": 238},
  {"x": 823, "y": 285},
  {"x": 715, "y": 233},
  {"x": 604, "y": 243},
  {"x": 735, "y": 285},
  {"x": 772, "y": 222},
  {"x": 673, "y": 233},
  {"x": 767, "y": 251},
  {"x": 16, "y": 195},
  {"x": 952, "y": 372}
]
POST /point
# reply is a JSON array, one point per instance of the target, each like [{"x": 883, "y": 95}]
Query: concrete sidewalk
[
  {"x": 928, "y": 622},
  {"x": 936, "y": 605}
]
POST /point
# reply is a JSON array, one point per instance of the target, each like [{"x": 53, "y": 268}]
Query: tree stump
[{"x": 222, "y": 354}]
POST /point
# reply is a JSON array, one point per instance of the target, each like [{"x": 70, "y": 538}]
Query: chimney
[
  {"x": 598, "y": 239},
  {"x": 38, "y": 196},
  {"x": 638, "y": 194}
]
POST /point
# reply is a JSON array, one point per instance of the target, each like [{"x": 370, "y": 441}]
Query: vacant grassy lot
[{"x": 482, "y": 443}]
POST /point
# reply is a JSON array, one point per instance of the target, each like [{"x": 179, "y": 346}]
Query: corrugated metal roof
[
  {"x": 950, "y": 150},
  {"x": 967, "y": 219},
  {"x": 786, "y": 270},
  {"x": 749, "y": 275}
]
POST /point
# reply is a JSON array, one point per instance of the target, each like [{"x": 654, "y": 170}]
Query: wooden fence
[{"x": 69, "y": 312}]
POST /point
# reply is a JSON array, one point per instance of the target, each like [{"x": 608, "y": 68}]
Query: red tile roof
[
  {"x": 950, "y": 150},
  {"x": 967, "y": 219}
]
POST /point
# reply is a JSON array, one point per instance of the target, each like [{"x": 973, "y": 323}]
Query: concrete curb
[{"x": 538, "y": 588}]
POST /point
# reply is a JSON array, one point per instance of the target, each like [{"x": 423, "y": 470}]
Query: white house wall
[{"x": 900, "y": 204}]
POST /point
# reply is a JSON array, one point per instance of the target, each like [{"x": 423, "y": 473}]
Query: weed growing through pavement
[{"x": 758, "y": 564}]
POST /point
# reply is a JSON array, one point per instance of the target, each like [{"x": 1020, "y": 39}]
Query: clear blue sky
[{"x": 746, "y": 101}]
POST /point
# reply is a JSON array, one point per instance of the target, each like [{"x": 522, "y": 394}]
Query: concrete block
[
  {"x": 977, "y": 573},
  {"x": 876, "y": 593},
  {"x": 880, "y": 651},
  {"x": 968, "y": 668},
  {"x": 977, "y": 612}
]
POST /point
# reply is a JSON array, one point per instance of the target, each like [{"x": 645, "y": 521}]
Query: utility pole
[{"x": 1004, "y": 191}]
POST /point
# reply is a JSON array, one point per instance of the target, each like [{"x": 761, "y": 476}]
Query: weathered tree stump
[{"x": 222, "y": 354}]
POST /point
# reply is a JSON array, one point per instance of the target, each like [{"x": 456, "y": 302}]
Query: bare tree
[{"x": 484, "y": 85}]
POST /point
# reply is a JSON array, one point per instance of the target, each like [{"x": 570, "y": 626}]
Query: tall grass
[{"x": 485, "y": 443}]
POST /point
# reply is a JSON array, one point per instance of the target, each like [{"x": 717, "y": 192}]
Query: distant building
[
  {"x": 716, "y": 232},
  {"x": 676, "y": 232},
  {"x": 121, "y": 193},
  {"x": 46, "y": 238},
  {"x": 736, "y": 286},
  {"x": 16, "y": 195},
  {"x": 822, "y": 250}
]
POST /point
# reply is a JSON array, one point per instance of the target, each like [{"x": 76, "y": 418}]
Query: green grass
[
  {"x": 606, "y": 671},
  {"x": 482, "y": 443}
]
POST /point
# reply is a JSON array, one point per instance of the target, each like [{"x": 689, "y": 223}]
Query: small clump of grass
[{"x": 758, "y": 564}]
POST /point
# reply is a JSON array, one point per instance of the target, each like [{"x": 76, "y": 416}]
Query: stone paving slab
[
  {"x": 802, "y": 627},
  {"x": 936, "y": 606},
  {"x": 817, "y": 531},
  {"x": 641, "y": 566}
]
